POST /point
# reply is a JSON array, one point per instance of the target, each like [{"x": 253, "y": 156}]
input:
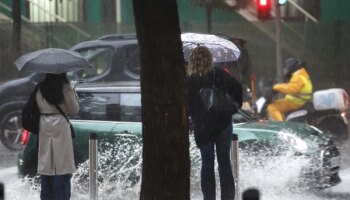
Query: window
[
  {"x": 109, "y": 106},
  {"x": 99, "y": 57},
  {"x": 128, "y": 57}
]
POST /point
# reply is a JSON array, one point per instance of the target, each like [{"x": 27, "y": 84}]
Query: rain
[{"x": 256, "y": 41}]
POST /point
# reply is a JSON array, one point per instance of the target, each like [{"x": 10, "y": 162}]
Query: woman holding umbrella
[
  {"x": 55, "y": 155},
  {"x": 212, "y": 129},
  {"x": 55, "y": 97}
]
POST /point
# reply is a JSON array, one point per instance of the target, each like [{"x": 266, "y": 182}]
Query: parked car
[
  {"x": 113, "y": 112},
  {"x": 114, "y": 57}
]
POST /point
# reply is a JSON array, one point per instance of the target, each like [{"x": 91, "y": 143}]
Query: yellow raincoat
[{"x": 298, "y": 91}]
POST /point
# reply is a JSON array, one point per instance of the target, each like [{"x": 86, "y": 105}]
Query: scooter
[{"x": 328, "y": 110}]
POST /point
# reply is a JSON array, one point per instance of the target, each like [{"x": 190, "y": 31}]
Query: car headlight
[{"x": 296, "y": 142}]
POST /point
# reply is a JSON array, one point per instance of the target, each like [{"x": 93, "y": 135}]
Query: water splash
[
  {"x": 120, "y": 171},
  {"x": 120, "y": 164}
]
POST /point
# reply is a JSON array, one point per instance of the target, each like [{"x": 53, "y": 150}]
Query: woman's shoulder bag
[
  {"x": 218, "y": 99},
  {"x": 31, "y": 114}
]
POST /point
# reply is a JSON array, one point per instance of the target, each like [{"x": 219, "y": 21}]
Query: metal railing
[
  {"x": 79, "y": 32},
  {"x": 60, "y": 19},
  {"x": 302, "y": 10},
  {"x": 7, "y": 8},
  {"x": 296, "y": 40}
]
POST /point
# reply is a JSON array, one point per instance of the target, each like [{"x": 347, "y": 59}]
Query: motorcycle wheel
[
  {"x": 336, "y": 128},
  {"x": 11, "y": 126}
]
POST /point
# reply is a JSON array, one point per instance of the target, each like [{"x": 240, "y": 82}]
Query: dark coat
[{"x": 208, "y": 124}]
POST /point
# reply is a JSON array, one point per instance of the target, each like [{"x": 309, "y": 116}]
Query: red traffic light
[{"x": 263, "y": 9}]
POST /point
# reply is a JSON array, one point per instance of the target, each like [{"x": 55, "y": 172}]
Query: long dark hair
[{"x": 52, "y": 87}]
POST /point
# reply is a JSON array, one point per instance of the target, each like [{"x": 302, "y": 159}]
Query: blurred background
[{"x": 315, "y": 31}]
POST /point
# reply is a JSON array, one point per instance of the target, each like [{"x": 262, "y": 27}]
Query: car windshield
[
  {"x": 130, "y": 54},
  {"x": 99, "y": 57}
]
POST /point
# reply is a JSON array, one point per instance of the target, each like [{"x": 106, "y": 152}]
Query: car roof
[
  {"x": 119, "y": 86},
  {"x": 114, "y": 41},
  {"x": 119, "y": 40}
]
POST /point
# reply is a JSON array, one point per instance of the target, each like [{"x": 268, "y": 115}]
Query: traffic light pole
[{"x": 278, "y": 44}]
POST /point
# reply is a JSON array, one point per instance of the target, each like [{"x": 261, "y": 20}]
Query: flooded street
[
  {"x": 7, "y": 158},
  {"x": 275, "y": 182},
  {"x": 126, "y": 75}
]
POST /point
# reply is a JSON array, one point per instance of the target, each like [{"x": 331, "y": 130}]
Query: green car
[{"x": 113, "y": 112}]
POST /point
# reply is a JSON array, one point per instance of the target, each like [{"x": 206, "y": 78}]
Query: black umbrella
[{"x": 51, "y": 60}]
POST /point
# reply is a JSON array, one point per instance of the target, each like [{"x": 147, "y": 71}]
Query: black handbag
[
  {"x": 218, "y": 99},
  {"x": 70, "y": 124},
  {"x": 31, "y": 114}
]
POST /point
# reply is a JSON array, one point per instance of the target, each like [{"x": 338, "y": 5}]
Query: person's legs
[
  {"x": 277, "y": 108},
  {"x": 223, "y": 146},
  {"x": 207, "y": 172},
  {"x": 47, "y": 191},
  {"x": 62, "y": 187}
]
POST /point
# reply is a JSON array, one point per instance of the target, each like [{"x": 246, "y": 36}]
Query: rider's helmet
[{"x": 290, "y": 66}]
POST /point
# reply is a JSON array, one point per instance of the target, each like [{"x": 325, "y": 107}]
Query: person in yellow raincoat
[{"x": 297, "y": 91}]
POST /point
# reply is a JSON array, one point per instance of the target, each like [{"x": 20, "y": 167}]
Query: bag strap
[{"x": 62, "y": 113}]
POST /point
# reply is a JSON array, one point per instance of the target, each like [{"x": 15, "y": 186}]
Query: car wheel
[
  {"x": 11, "y": 125},
  {"x": 335, "y": 128}
]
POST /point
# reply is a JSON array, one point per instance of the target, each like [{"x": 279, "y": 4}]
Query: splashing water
[
  {"x": 120, "y": 171},
  {"x": 119, "y": 174}
]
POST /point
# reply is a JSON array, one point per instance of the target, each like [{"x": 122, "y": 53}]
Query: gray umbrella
[{"x": 51, "y": 60}]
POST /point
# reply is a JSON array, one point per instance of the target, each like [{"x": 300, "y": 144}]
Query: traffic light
[
  {"x": 263, "y": 9},
  {"x": 281, "y": 2}
]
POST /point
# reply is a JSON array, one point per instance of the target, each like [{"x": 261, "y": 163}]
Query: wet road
[
  {"x": 19, "y": 189},
  {"x": 7, "y": 157}
]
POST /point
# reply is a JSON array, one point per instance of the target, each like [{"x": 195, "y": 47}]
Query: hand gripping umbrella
[
  {"x": 51, "y": 60},
  {"x": 222, "y": 49}
]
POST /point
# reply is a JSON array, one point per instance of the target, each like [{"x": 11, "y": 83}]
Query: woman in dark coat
[{"x": 212, "y": 128}]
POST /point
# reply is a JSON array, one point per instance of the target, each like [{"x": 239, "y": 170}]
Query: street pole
[
  {"x": 251, "y": 194},
  {"x": 93, "y": 168},
  {"x": 235, "y": 164},
  {"x": 278, "y": 44},
  {"x": 2, "y": 191}
]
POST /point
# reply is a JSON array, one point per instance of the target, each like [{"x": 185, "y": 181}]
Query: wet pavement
[
  {"x": 7, "y": 157},
  {"x": 8, "y": 175}
]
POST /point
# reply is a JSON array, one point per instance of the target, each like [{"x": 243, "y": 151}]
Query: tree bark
[
  {"x": 166, "y": 162},
  {"x": 16, "y": 36}
]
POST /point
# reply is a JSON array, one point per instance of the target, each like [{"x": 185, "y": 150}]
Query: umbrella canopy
[
  {"x": 222, "y": 50},
  {"x": 51, "y": 60}
]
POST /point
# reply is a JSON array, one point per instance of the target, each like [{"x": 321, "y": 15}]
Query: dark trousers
[
  {"x": 223, "y": 145},
  {"x": 55, "y": 187}
]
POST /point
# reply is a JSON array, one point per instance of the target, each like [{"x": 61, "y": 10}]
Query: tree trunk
[
  {"x": 16, "y": 36},
  {"x": 166, "y": 163}
]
